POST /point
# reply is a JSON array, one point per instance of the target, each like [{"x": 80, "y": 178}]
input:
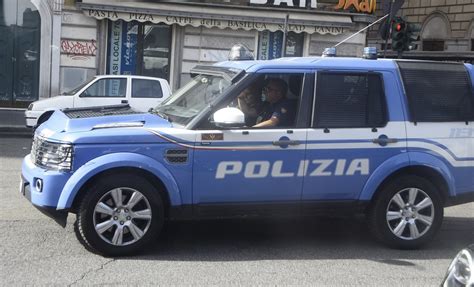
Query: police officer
[{"x": 277, "y": 109}]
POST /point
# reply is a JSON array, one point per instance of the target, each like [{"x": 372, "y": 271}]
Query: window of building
[
  {"x": 433, "y": 45},
  {"x": 139, "y": 49},
  {"x": 270, "y": 45},
  {"x": 349, "y": 100},
  {"x": 142, "y": 88}
]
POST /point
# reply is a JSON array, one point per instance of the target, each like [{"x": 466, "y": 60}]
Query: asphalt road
[{"x": 316, "y": 252}]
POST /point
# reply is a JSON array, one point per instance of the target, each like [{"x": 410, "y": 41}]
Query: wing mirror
[
  {"x": 461, "y": 269},
  {"x": 229, "y": 118}
]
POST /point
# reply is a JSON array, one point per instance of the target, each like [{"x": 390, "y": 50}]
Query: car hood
[
  {"x": 59, "y": 102},
  {"x": 110, "y": 124}
]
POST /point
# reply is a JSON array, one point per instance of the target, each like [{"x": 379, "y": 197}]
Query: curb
[{"x": 16, "y": 131}]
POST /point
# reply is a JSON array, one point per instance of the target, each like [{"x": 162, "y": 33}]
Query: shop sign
[
  {"x": 211, "y": 23},
  {"x": 122, "y": 48},
  {"x": 270, "y": 45},
  {"x": 288, "y": 3},
  {"x": 366, "y": 6}
]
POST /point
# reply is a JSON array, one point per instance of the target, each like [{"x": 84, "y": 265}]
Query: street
[{"x": 315, "y": 251}]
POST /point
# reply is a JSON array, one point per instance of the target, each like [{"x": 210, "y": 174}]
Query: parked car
[
  {"x": 392, "y": 139},
  {"x": 141, "y": 93}
]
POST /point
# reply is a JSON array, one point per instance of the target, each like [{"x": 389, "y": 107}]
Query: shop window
[
  {"x": 270, "y": 45},
  {"x": 139, "y": 49},
  {"x": 433, "y": 45}
]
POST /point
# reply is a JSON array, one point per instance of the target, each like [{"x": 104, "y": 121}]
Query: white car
[{"x": 141, "y": 93}]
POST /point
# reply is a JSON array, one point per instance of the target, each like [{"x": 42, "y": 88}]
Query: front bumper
[{"x": 47, "y": 198}]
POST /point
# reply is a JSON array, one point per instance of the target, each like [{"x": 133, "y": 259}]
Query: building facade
[
  {"x": 447, "y": 29},
  {"x": 76, "y": 40}
]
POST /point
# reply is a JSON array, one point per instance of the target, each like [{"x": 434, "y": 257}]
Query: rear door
[
  {"x": 146, "y": 94},
  {"x": 353, "y": 132},
  {"x": 103, "y": 92}
]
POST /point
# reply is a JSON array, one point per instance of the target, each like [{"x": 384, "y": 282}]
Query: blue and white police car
[{"x": 392, "y": 139}]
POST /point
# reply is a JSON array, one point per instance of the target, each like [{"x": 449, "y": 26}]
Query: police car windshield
[{"x": 192, "y": 98}]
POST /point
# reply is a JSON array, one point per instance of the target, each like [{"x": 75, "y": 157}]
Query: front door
[
  {"x": 19, "y": 54},
  {"x": 250, "y": 164},
  {"x": 103, "y": 92}
]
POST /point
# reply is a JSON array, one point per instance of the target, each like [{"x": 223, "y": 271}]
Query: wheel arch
[
  {"x": 152, "y": 178},
  {"x": 419, "y": 164},
  {"x": 154, "y": 171}
]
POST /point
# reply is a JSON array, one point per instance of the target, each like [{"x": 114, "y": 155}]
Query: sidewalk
[{"x": 12, "y": 123}]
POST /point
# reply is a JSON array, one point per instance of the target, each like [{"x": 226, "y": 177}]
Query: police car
[{"x": 392, "y": 139}]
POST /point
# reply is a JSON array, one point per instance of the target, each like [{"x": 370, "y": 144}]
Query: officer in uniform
[{"x": 277, "y": 109}]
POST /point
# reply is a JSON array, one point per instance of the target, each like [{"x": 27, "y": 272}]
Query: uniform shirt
[{"x": 283, "y": 110}]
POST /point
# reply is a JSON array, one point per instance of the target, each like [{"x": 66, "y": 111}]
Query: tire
[
  {"x": 407, "y": 212},
  {"x": 115, "y": 229}
]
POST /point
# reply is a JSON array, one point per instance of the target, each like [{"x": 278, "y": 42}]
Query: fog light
[{"x": 39, "y": 185}]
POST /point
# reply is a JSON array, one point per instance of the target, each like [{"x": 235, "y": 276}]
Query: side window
[
  {"x": 267, "y": 101},
  {"x": 105, "y": 88},
  {"x": 142, "y": 88},
  {"x": 349, "y": 100},
  {"x": 438, "y": 92}
]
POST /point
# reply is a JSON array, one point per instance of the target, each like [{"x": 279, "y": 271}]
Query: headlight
[
  {"x": 51, "y": 155},
  {"x": 460, "y": 272},
  {"x": 30, "y": 107}
]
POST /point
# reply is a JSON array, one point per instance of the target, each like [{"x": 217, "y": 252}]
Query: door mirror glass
[{"x": 229, "y": 118}]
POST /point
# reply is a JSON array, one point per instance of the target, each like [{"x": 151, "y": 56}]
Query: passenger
[
  {"x": 250, "y": 103},
  {"x": 277, "y": 109}
]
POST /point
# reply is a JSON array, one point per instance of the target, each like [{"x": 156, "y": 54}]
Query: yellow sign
[{"x": 367, "y": 6}]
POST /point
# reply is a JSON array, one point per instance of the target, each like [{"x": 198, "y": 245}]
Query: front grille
[{"x": 177, "y": 156}]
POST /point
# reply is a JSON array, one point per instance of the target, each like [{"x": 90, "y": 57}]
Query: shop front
[{"x": 166, "y": 39}]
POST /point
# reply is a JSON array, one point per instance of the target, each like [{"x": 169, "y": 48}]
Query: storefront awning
[{"x": 246, "y": 18}]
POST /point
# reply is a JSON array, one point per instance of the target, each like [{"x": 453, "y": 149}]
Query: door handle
[
  {"x": 285, "y": 142},
  {"x": 124, "y": 102},
  {"x": 383, "y": 140}
]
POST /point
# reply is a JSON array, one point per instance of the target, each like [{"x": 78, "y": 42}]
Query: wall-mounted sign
[
  {"x": 122, "y": 52},
  {"x": 287, "y": 3},
  {"x": 366, "y": 6},
  {"x": 211, "y": 23}
]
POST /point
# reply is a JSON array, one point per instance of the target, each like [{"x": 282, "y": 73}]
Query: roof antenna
[{"x": 358, "y": 32}]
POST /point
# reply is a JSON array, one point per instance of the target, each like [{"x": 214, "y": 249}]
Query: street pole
[
  {"x": 389, "y": 28},
  {"x": 283, "y": 49}
]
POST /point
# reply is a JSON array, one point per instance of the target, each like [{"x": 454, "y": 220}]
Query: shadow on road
[{"x": 297, "y": 239}]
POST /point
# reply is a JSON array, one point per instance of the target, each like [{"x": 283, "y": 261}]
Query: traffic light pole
[{"x": 389, "y": 28}]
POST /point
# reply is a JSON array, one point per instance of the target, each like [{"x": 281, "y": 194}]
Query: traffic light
[
  {"x": 399, "y": 37},
  {"x": 413, "y": 36}
]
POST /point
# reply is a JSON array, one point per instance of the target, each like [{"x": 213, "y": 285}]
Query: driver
[{"x": 277, "y": 110}]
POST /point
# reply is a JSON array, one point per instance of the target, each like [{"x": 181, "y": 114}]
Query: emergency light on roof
[
  {"x": 370, "y": 53},
  {"x": 240, "y": 52},
  {"x": 329, "y": 52}
]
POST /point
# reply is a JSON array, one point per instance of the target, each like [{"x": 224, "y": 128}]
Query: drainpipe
[{"x": 56, "y": 7}]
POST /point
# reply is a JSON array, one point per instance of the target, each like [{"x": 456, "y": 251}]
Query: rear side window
[
  {"x": 349, "y": 100},
  {"x": 437, "y": 92},
  {"x": 142, "y": 88}
]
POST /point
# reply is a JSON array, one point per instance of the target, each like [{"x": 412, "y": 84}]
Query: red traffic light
[{"x": 399, "y": 27}]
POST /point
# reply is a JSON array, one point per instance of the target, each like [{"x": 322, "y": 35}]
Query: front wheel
[
  {"x": 120, "y": 215},
  {"x": 407, "y": 213}
]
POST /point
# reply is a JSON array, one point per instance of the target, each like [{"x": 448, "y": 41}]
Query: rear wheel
[
  {"x": 407, "y": 213},
  {"x": 120, "y": 215}
]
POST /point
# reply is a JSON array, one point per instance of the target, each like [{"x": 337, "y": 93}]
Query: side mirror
[
  {"x": 229, "y": 118},
  {"x": 460, "y": 271}
]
